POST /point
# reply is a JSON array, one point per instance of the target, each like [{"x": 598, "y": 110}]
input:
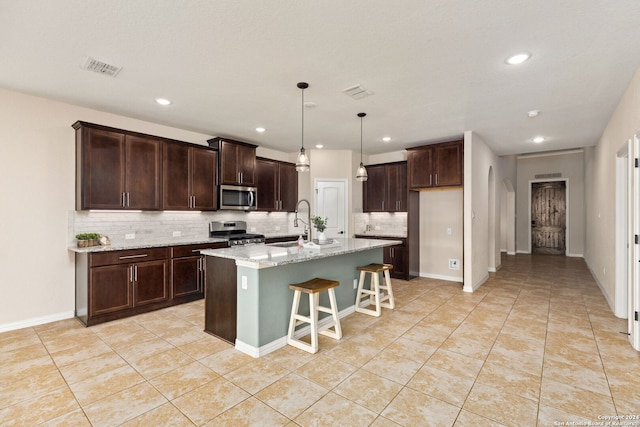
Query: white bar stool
[
  {"x": 375, "y": 288},
  {"x": 313, "y": 288}
]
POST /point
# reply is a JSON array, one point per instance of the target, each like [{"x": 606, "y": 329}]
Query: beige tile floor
[{"x": 536, "y": 344}]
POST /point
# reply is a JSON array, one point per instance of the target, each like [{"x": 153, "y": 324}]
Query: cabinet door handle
[
  {"x": 436, "y": 179},
  {"x": 128, "y": 199},
  {"x": 383, "y": 205},
  {"x": 430, "y": 180},
  {"x": 133, "y": 256},
  {"x": 135, "y": 273},
  {"x": 124, "y": 200},
  {"x": 131, "y": 274},
  {"x": 193, "y": 204}
]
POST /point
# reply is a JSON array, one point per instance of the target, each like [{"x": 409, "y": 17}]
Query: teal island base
[{"x": 259, "y": 292}]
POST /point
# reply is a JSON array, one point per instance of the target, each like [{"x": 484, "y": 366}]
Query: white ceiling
[{"x": 436, "y": 67}]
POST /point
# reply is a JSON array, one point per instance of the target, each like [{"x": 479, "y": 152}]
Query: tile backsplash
[
  {"x": 155, "y": 226},
  {"x": 381, "y": 223},
  {"x": 161, "y": 226}
]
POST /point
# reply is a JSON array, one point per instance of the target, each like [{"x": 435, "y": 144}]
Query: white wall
[
  {"x": 440, "y": 210},
  {"x": 600, "y": 173},
  {"x": 481, "y": 238},
  {"x": 571, "y": 167},
  {"x": 37, "y": 159}
]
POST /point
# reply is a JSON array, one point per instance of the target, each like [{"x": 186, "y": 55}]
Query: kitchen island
[{"x": 247, "y": 296}]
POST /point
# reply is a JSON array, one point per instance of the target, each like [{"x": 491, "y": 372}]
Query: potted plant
[
  {"x": 88, "y": 239},
  {"x": 320, "y": 224}
]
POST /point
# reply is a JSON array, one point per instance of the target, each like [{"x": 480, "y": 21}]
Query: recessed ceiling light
[
  {"x": 538, "y": 139},
  {"x": 319, "y": 146},
  {"x": 518, "y": 58},
  {"x": 163, "y": 101},
  {"x": 533, "y": 113},
  {"x": 260, "y": 129},
  {"x": 386, "y": 138}
]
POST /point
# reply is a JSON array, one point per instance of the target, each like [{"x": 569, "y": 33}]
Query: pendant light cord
[
  {"x": 361, "y": 139},
  {"x": 302, "y": 136}
]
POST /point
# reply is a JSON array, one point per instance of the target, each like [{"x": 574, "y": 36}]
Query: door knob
[{"x": 340, "y": 232}]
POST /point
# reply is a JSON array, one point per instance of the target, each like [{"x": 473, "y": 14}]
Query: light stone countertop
[
  {"x": 264, "y": 256},
  {"x": 147, "y": 243},
  {"x": 170, "y": 241}
]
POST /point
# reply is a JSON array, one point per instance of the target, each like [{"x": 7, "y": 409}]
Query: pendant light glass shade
[
  {"x": 302, "y": 162},
  {"x": 361, "y": 173}
]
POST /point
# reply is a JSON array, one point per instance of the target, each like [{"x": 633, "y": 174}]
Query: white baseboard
[
  {"x": 476, "y": 285},
  {"x": 281, "y": 342},
  {"x": 511, "y": 253},
  {"x": 36, "y": 321},
  {"x": 606, "y": 296},
  {"x": 442, "y": 277},
  {"x": 576, "y": 255},
  {"x": 495, "y": 269},
  {"x": 523, "y": 252}
]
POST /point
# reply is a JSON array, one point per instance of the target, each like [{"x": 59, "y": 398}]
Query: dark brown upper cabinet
[
  {"x": 437, "y": 165},
  {"x": 277, "y": 184},
  {"x": 237, "y": 161},
  {"x": 189, "y": 177},
  {"x": 385, "y": 190},
  {"x": 116, "y": 169}
]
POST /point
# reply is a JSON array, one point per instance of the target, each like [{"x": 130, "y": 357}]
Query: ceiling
[{"x": 435, "y": 67}]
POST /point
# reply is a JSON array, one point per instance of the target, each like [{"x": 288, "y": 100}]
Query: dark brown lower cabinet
[
  {"x": 188, "y": 271},
  {"x": 395, "y": 255},
  {"x": 116, "y": 284},
  {"x": 221, "y": 298}
]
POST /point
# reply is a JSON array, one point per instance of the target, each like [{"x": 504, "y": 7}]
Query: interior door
[
  {"x": 548, "y": 217},
  {"x": 331, "y": 204}
]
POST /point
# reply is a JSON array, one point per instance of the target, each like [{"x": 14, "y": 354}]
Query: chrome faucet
[{"x": 308, "y": 222}]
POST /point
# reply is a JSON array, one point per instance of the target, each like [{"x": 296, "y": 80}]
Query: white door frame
[
  {"x": 624, "y": 174},
  {"x": 634, "y": 258},
  {"x": 566, "y": 219},
  {"x": 346, "y": 199}
]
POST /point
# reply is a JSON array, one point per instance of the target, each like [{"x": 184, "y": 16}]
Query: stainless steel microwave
[{"x": 239, "y": 198}]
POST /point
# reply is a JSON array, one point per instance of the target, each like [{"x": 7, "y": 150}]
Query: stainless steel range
[{"x": 235, "y": 232}]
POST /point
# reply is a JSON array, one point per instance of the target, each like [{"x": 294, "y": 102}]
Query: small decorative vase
[{"x": 321, "y": 236}]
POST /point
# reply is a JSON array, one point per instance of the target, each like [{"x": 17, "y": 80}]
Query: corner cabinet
[
  {"x": 437, "y": 165},
  {"x": 237, "y": 162},
  {"x": 189, "y": 177},
  {"x": 188, "y": 271},
  {"x": 277, "y": 184},
  {"x": 385, "y": 190},
  {"x": 116, "y": 169}
]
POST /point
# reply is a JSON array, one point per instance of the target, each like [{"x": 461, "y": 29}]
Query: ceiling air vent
[
  {"x": 101, "y": 67},
  {"x": 357, "y": 92}
]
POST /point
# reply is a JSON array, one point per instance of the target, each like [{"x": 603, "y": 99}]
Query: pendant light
[
  {"x": 361, "y": 173},
  {"x": 302, "y": 162}
]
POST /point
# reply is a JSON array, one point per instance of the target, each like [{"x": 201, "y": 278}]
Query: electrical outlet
[
  {"x": 355, "y": 283},
  {"x": 277, "y": 228},
  {"x": 244, "y": 282},
  {"x": 454, "y": 264},
  {"x": 253, "y": 229},
  {"x": 449, "y": 231},
  {"x": 377, "y": 227},
  {"x": 130, "y": 236},
  {"x": 177, "y": 234}
]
